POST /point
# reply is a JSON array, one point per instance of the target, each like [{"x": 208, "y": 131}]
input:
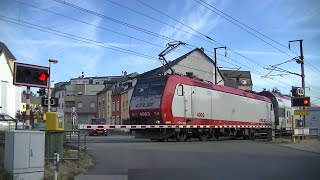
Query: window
[
  {"x": 180, "y": 90},
  {"x": 113, "y": 106},
  {"x": 62, "y": 94},
  {"x": 123, "y": 105},
  {"x": 282, "y": 112},
  {"x": 118, "y": 106},
  {"x": 92, "y": 105},
  {"x": 155, "y": 89},
  {"x": 99, "y": 103},
  {"x": 97, "y": 82},
  {"x": 141, "y": 89},
  {"x": 80, "y": 93},
  {"x": 79, "y": 104},
  {"x": 103, "y": 102},
  {"x": 127, "y": 104},
  {"x": 61, "y": 105},
  {"x": 117, "y": 120},
  {"x": 59, "y": 95}
]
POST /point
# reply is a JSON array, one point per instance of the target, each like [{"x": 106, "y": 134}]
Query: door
[{"x": 187, "y": 102}]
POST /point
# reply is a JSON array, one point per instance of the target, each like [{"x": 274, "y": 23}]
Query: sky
[{"x": 107, "y": 37}]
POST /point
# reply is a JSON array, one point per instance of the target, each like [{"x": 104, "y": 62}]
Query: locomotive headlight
[{"x": 157, "y": 122}]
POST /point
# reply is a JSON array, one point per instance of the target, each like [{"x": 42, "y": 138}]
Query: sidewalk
[{"x": 310, "y": 146}]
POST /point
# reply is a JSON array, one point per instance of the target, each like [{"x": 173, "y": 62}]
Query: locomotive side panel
[{"x": 215, "y": 107}]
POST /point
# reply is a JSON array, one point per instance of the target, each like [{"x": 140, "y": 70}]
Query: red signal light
[
  {"x": 305, "y": 101},
  {"x": 43, "y": 76}
]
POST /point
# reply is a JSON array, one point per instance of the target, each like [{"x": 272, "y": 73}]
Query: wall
[
  {"x": 10, "y": 95},
  {"x": 124, "y": 105},
  {"x": 199, "y": 65},
  {"x": 61, "y": 104},
  {"x": 116, "y": 113}
]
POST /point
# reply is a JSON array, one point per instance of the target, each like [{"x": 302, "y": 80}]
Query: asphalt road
[{"x": 133, "y": 159}]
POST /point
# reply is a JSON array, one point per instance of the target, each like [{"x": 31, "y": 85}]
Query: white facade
[
  {"x": 199, "y": 65},
  {"x": 10, "y": 95},
  {"x": 61, "y": 104}
]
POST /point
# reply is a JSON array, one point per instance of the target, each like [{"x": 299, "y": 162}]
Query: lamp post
[{"x": 49, "y": 88}]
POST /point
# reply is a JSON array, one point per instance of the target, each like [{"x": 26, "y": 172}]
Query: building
[
  {"x": 196, "y": 62},
  {"x": 104, "y": 99},
  {"x": 241, "y": 78},
  {"x": 121, "y": 95},
  {"x": 81, "y": 94},
  {"x": 59, "y": 92},
  {"x": 34, "y": 102},
  {"x": 10, "y": 95}
]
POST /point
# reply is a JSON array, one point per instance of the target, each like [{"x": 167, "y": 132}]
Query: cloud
[{"x": 197, "y": 17}]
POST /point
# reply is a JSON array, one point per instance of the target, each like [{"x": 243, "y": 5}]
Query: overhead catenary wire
[
  {"x": 74, "y": 37},
  {"x": 98, "y": 42},
  {"x": 233, "y": 20}
]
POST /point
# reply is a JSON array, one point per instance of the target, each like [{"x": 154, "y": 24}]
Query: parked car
[
  {"x": 7, "y": 122},
  {"x": 98, "y": 131}
]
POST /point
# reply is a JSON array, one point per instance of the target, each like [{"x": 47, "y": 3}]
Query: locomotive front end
[{"x": 146, "y": 100}]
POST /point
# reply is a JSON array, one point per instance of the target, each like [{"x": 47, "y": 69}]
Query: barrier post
[{"x": 292, "y": 129}]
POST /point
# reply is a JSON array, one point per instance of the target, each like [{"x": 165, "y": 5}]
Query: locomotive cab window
[{"x": 180, "y": 90}]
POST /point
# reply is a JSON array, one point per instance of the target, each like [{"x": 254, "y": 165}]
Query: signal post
[{"x": 30, "y": 75}]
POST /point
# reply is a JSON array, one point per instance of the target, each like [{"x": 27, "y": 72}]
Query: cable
[
  {"x": 310, "y": 66},
  {"x": 100, "y": 27},
  {"x": 112, "y": 47},
  {"x": 176, "y": 20},
  {"x": 245, "y": 26},
  {"x": 78, "y": 38},
  {"x": 256, "y": 62},
  {"x": 155, "y": 19}
]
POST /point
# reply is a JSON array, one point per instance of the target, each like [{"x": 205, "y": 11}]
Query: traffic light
[
  {"x": 31, "y": 75},
  {"x": 82, "y": 74},
  {"x": 41, "y": 92},
  {"x": 300, "y": 101}
]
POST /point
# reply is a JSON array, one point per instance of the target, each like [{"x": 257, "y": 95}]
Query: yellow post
[{"x": 293, "y": 126}]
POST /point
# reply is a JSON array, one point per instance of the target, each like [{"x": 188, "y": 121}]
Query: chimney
[
  {"x": 189, "y": 74},
  {"x": 202, "y": 49}
]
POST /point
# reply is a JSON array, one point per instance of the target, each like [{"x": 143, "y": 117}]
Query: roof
[
  {"x": 8, "y": 55},
  {"x": 118, "y": 89},
  {"x": 7, "y": 52},
  {"x": 108, "y": 87},
  {"x": 235, "y": 74},
  {"x": 159, "y": 70},
  {"x": 229, "y": 74}
]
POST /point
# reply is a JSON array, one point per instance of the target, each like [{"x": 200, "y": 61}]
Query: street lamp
[{"x": 49, "y": 88}]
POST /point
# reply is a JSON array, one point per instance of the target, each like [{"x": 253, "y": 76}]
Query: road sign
[
  {"x": 302, "y": 112},
  {"x": 73, "y": 114}
]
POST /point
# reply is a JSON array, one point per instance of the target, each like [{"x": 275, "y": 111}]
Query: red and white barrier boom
[{"x": 91, "y": 126}]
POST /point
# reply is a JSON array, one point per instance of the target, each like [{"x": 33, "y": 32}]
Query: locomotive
[{"x": 183, "y": 100}]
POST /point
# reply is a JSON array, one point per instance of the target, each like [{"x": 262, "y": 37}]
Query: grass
[{"x": 67, "y": 169}]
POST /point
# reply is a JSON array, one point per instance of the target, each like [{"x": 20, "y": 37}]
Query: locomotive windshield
[{"x": 151, "y": 86}]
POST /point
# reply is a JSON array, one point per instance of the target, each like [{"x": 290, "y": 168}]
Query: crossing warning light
[
  {"x": 31, "y": 75},
  {"x": 301, "y": 102}
]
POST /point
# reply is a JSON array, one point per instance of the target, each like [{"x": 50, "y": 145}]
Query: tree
[{"x": 276, "y": 90}]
